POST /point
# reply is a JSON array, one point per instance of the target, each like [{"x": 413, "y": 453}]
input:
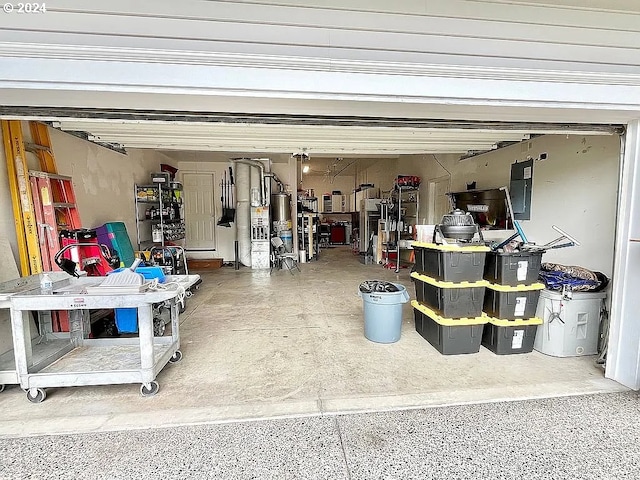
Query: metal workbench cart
[
  {"x": 79, "y": 360},
  {"x": 44, "y": 343}
]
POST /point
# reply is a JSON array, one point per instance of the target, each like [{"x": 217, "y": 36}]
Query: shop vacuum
[{"x": 457, "y": 227}]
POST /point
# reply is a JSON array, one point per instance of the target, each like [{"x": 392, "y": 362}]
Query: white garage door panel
[
  {"x": 315, "y": 138},
  {"x": 326, "y": 28},
  {"x": 474, "y": 29},
  {"x": 365, "y": 14},
  {"x": 563, "y": 44},
  {"x": 300, "y": 57},
  {"x": 180, "y": 79}
]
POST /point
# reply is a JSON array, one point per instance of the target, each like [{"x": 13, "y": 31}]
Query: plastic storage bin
[
  {"x": 450, "y": 263},
  {"x": 383, "y": 314},
  {"x": 506, "y": 337},
  {"x": 451, "y": 300},
  {"x": 517, "y": 268},
  {"x": 127, "y": 320},
  {"x": 571, "y": 327},
  {"x": 114, "y": 235},
  {"x": 149, "y": 273},
  {"x": 503, "y": 301},
  {"x": 447, "y": 335}
]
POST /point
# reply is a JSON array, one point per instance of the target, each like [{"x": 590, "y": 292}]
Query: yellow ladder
[
  {"x": 41, "y": 146},
  {"x": 21, "y": 199}
]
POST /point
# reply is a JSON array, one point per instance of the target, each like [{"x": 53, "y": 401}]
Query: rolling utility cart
[
  {"x": 42, "y": 345},
  {"x": 81, "y": 361}
]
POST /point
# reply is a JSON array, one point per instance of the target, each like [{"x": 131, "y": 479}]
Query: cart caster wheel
[
  {"x": 149, "y": 391},
  {"x": 38, "y": 397},
  {"x": 176, "y": 357},
  {"x": 182, "y": 306},
  {"x": 2, "y": 386}
]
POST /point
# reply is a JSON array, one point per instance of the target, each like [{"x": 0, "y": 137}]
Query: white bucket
[
  {"x": 303, "y": 256},
  {"x": 287, "y": 239}
]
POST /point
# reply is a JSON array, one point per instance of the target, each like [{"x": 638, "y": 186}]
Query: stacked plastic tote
[
  {"x": 511, "y": 301},
  {"x": 450, "y": 293},
  {"x": 467, "y": 296}
]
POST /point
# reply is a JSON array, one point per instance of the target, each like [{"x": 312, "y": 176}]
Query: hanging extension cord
[{"x": 155, "y": 285}]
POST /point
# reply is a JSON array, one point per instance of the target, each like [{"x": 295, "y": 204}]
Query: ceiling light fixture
[{"x": 305, "y": 169}]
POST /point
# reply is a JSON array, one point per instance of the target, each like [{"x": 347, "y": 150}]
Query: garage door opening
[{"x": 284, "y": 344}]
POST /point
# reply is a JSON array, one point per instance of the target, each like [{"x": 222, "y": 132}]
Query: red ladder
[
  {"x": 55, "y": 208},
  {"x": 54, "y": 203}
]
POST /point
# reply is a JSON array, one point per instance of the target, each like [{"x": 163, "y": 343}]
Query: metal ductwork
[
  {"x": 252, "y": 213},
  {"x": 278, "y": 181},
  {"x": 243, "y": 212},
  {"x": 259, "y": 166}
]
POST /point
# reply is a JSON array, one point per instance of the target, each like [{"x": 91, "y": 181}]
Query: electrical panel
[{"x": 520, "y": 189}]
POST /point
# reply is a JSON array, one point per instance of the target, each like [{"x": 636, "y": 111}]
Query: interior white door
[
  {"x": 199, "y": 209},
  {"x": 439, "y": 203}
]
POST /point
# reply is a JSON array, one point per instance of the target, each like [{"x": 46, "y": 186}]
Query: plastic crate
[
  {"x": 127, "y": 320},
  {"x": 507, "y": 337},
  {"x": 450, "y": 263},
  {"x": 451, "y": 300},
  {"x": 516, "y": 268},
  {"x": 448, "y": 336},
  {"x": 503, "y": 301}
]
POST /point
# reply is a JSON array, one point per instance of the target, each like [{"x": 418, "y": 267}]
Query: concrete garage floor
[
  {"x": 571, "y": 438},
  {"x": 258, "y": 346}
]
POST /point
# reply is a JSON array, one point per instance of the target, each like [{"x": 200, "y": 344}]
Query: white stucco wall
[
  {"x": 381, "y": 174},
  {"x": 325, "y": 185},
  {"x": 103, "y": 181},
  {"x": 575, "y": 189}
]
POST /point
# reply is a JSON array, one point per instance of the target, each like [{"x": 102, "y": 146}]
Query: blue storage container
[
  {"x": 127, "y": 320},
  {"x": 148, "y": 273}
]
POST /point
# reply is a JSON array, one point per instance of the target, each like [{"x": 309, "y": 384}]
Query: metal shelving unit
[
  {"x": 159, "y": 214},
  {"x": 308, "y": 234},
  {"x": 407, "y": 198}
]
